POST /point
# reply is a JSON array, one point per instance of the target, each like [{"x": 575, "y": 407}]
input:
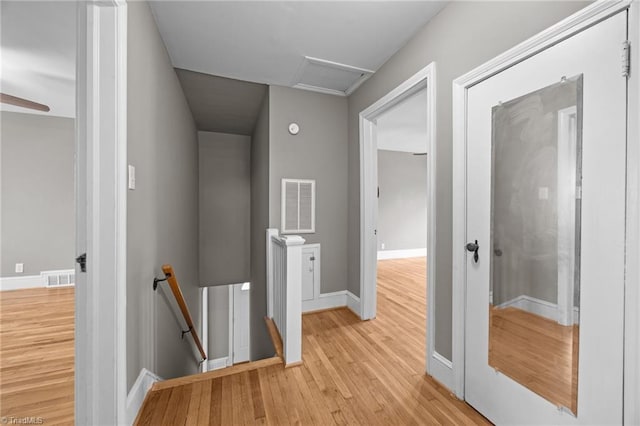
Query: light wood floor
[
  {"x": 536, "y": 352},
  {"x": 37, "y": 354},
  {"x": 354, "y": 372}
]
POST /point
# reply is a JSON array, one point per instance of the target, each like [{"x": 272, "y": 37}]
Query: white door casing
[
  {"x": 425, "y": 79},
  {"x": 595, "y": 53},
  {"x": 241, "y": 326},
  {"x": 101, "y": 194}
]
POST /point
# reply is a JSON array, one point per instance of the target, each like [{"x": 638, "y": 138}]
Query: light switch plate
[
  {"x": 543, "y": 193},
  {"x": 132, "y": 177}
]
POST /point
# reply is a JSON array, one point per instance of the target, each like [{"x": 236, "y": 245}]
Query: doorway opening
[
  {"x": 408, "y": 250},
  {"x": 37, "y": 243}
]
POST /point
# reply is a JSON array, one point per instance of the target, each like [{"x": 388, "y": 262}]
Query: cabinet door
[{"x": 308, "y": 274}]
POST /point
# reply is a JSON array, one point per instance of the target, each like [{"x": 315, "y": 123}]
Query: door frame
[
  {"x": 425, "y": 79},
  {"x": 581, "y": 20},
  {"x": 101, "y": 205}
]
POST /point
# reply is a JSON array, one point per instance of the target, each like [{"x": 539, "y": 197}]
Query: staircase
[{"x": 180, "y": 390}]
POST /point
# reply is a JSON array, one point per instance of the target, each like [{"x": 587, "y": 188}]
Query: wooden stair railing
[{"x": 170, "y": 277}]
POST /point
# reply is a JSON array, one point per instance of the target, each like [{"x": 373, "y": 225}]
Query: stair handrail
[{"x": 170, "y": 277}]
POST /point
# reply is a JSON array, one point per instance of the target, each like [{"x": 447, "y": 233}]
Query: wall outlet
[
  {"x": 382, "y": 246},
  {"x": 19, "y": 268}
]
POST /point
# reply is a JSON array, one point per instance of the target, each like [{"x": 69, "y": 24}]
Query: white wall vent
[
  {"x": 298, "y": 206},
  {"x": 62, "y": 278},
  {"x": 323, "y": 76}
]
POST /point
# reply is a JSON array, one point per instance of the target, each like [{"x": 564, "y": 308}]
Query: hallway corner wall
[{"x": 162, "y": 211}]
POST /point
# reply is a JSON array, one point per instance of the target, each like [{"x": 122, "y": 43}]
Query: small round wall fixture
[{"x": 294, "y": 128}]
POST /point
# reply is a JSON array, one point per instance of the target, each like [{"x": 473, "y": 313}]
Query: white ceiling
[
  {"x": 38, "y": 54},
  {"x": 267, "y": 41},
  {"x": 404, "y": 126}
]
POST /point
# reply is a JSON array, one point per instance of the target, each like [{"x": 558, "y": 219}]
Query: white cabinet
[{"x": 310, "y": 271}]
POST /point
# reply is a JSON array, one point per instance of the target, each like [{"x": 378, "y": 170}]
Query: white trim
[
  {"x": 566, "y": 207},
  {"x": 353, "y": 302},
  {"x": 317, "y": 89},
  {"x": 271, "y": 232},
  {"x": 233, "y": 356},
  {"x": 218, "y": 363},
  {"x": 21, "y": 283},
  {"x": 402, "y": 254},
  {"x": 441, "y": 370},
  {"x": 330, "y": 64},
  {"x": 336, "y": 299},
  {"x": 540, "y": 307},
  {"x": 231, "y": 341},
  {"x": 325, "y": 301},
  {"x": 631, "y": 413},
  {"x": 575, "y": 23},
  {"x": 138, "y": 392},
  {"x": 101, "y": 197},
  {"x": 423, "y": 79},
  {"x": 204, "y": 324}
]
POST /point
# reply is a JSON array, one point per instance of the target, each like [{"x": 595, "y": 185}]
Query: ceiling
[
  {"x": 38, "y": 54},
  {"x": 404, "y": 126},
  {"x": 268, "y": 41},
  {"x": 221, "y": 104}
]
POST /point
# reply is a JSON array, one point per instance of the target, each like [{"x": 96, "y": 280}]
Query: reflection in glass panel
[{"x": 535, "y": 280}]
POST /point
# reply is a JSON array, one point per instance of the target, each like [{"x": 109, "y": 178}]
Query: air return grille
[
  {"x": 62, "y": 278},
  {"x": 298, "y": 206}
]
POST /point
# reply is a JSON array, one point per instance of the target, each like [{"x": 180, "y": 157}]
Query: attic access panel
[{"x": 329, "y": 77}]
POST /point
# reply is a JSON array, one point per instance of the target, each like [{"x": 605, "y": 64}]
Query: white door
[
  {"x": 241, "y": 327},
  {"x": 545, "y": 206}
]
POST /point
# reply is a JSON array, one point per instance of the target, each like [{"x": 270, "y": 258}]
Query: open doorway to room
[
  {"x": 397, "y": 222},
  {"x": 37, "y": 209},
  {"x": 402, "y": 137}
]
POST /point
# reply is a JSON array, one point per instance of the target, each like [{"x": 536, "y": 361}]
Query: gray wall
[
  {"x": 462, "y": 36},
  {"x": 218, "y": 323},
  {"x": 162, "y": 212},
  {"x": 402, "y": 205},
  {"x": 225, "y": 208},
  {"x": 318, "y": 152},
  {"x": 37, "y": 190},
  {"x": 261, "y": 346}
]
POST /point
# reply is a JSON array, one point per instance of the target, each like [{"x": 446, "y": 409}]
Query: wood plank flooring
[
  {"x": 536, "y": 352},
  {"x": 354, "y": 372},
  {"x": 37, "y": 354}
]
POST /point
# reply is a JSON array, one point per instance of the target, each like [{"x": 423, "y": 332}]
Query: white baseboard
[
  {"x": 23, "y": 282},
  {"x": 325, "y": 301},
  {"x": 218, "y": 363},
  {"x": 401, "y": 254},
  {"x": 138, "y": 391},
  {"x": 20, "y": 283},
  {"x": 337, "y": 299},
  {"x": 538, "y": 307},
  {"x": 353, "y": 303},
  {"x": 441, "y": 369}
]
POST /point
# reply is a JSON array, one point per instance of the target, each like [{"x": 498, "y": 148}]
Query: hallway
[{"x": 354, "y": 372}]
